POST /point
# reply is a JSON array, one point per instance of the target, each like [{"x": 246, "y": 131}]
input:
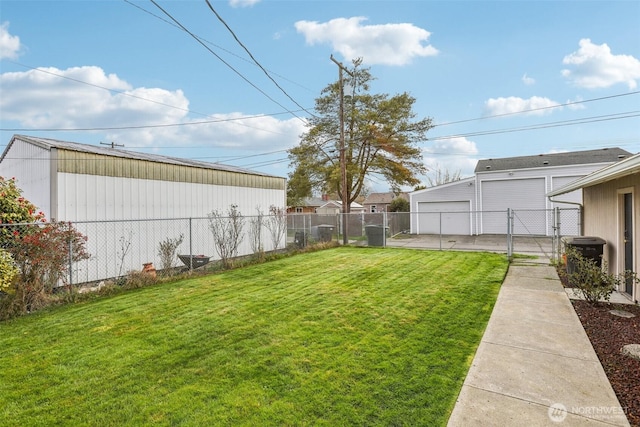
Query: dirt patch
[{"x": 608, "y": 334}]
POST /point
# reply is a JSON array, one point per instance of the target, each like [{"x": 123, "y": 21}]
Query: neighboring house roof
[
  {"x": 338, "y": 204},
  {"x": 605, "y": 155},
  {"x": 117, "y": 152},
  {"x": 383, "y": 198},
  {"x": 617, "y": 170}
]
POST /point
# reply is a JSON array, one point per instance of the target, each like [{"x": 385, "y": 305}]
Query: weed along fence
[{"x": 112, "y": 249}]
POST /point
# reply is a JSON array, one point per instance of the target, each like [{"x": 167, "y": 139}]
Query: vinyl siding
[{"x": 602, "y": 218}]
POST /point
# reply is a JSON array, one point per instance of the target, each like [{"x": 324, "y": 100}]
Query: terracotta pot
[{"x": 149, "y": 269}]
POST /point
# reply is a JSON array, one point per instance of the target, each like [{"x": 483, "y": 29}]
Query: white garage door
[
  {"x": 526, "y": 197},
  {"x": 444, "y": 217}
]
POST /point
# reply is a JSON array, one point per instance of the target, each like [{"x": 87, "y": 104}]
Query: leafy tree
[
  {"x": 380, "y": 137},
  {"x": 399, "y": 204}
]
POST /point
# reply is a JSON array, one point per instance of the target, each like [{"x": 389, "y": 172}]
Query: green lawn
[{"x": 346, "y": 336}]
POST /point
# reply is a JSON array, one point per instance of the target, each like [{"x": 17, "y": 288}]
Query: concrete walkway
[{"x": 535, "y": 365}]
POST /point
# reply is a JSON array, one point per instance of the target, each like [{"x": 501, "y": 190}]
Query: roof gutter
[{"x": 572, "y": 203}]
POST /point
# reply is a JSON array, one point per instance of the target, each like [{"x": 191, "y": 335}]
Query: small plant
[
  {"x": 593, "y": 282},
  {"x": 125, "y": 245},
  {"x": 255, "y": 233},
  {"x": 167, "y": 252},
  {"x": 276, "y": 223}
]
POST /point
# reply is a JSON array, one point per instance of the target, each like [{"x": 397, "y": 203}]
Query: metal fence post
[
  {"x": 191, "y": 245},
  {"x": 440, "y": 229},
  {"x": 509, "y": 233},
  {"x": 70, "y": 260}
]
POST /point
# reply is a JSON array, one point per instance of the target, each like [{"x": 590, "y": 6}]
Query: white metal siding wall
[
  {"x": 574, "y": 196},
  {"x": 452, "y": 192},
  {"x": 93, "y": 197},
  {"x": 31, "y": 167}
]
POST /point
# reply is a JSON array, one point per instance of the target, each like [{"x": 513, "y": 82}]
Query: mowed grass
[{"x": 347, "y": 336}]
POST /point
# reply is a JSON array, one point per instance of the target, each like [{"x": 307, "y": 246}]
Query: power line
[
  {"x": 196, "y": 38},
  {"x": 538, "y": 109},
  {"x": 253, "y": 58},
  {"x": 217, "y": 46},
  {"x": 165, "y": 125},
  {"x": 585, "y": 120}
]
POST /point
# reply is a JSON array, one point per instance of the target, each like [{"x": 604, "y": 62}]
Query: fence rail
[{"x": 117, "y": 247}]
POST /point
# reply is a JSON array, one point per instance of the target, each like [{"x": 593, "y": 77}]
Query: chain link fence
[{"x": 116, "y": 248}]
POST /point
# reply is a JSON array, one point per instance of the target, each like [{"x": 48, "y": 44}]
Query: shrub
[
  {"x": 593, "y": 282},
  {"x": 8, "y": 271},
  {"x": 42, "y": 254}
]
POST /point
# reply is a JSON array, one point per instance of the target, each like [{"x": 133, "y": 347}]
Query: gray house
[{"x": 478, "y": 205}]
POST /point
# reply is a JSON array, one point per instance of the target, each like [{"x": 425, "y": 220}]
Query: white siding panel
[
  {"x": 574, "y": 197},
  {"x": 525, "y": 196},
  {"x": 31, "y": 167},
  {"x": 92, "y": 197},
  {"x": 444, "y": 217},
  {"x": 463, "y": 190}
]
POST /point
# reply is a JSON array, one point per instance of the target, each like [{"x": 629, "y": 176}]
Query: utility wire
[
  {"x": 584, "y": 120},
  {"x": 538, "y": 109},
  {"x": 253, "y": 58},
  {"x": 196, "y": 38},
  {"x": 217, "y": 46}
]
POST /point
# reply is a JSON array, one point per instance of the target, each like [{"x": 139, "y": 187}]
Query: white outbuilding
[
  {"x": 479, "y": 204},
  {"x": 69, "y": 181},
  {"x": 128, "y": 203}
]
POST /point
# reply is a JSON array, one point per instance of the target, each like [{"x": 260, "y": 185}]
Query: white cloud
[
  {"x": 514, "y": 104},
  {"x": 243, "y": 3},
  {"x": 54, "y": 98},
  {"x": 452, "y": 154},
  {"x": 594, "y": 66},
  {"x": 389, "y": 44},
  {"x": 9, "y": 45},
  {"x": 528, "y": 80}
]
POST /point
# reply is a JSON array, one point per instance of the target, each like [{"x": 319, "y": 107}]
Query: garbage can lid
[{"x": 585, "y": 240}]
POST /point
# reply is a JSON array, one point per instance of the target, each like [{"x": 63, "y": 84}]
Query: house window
[
  {"x": 299, "y": 209},
  {"x": 373, "y": 208}
]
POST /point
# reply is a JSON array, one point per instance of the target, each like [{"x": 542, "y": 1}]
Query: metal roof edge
[
  {"x": 616, "y": 170},
  {"x": 448, "y": 184}
]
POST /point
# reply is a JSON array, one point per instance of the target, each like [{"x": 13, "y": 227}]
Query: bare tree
[
  {"x": 255, "y": 232},
  {"x": 227, "y": 233},
  {"x": 441, "y": 176},
  {"x": 276, "y": 222}
]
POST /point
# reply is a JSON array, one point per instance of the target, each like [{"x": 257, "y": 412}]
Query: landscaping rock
[
  {"x": 622, "y": 313},
  {"x": 631, "y": 350}
]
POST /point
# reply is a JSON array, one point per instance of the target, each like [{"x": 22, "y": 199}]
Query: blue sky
[{"x": 499, "y": 79}]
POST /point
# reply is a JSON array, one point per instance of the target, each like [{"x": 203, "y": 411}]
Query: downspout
[{"x": 581, "y": 211}]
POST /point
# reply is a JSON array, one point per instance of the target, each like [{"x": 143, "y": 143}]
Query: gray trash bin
[
  {"x": 300, "y": 239},
  {"x": 325, "y": 232},
  {"x": 587, "y": 246},
  {"x": 376, "y": 234}
]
